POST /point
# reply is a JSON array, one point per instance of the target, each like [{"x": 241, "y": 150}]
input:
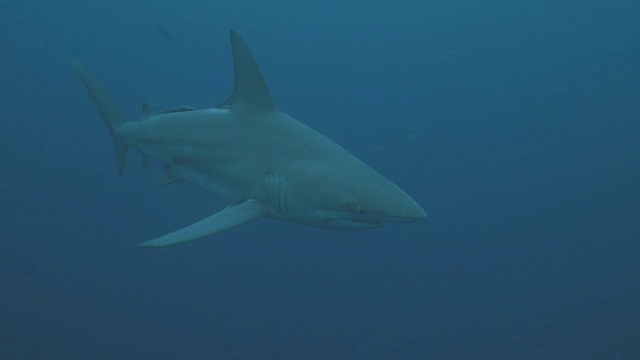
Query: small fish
[{"x": 163, "y": 30}]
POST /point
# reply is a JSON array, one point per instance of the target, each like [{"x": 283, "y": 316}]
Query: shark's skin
[{"x": 257, "y": 159}]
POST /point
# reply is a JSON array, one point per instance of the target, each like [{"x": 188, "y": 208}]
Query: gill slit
[{"x": 275, "y": 184}]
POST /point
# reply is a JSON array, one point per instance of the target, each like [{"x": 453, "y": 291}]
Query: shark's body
[{"x": 257, "y": 159}]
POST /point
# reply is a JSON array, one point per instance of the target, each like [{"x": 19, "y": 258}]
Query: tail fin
[{"x": 107, "y": 108}]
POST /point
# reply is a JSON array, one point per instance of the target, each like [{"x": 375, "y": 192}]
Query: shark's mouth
[{"x": 353, "y": 224}]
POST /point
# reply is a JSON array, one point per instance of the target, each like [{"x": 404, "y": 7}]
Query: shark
[{"x": 258, "y": 160}]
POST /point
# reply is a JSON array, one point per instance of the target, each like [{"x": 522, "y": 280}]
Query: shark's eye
[{"x": 356, "y": 209}]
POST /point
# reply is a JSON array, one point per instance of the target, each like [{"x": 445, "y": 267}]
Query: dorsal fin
[
  {"x": 145, "y": 112},
  {"x": 250, "y": 91}
]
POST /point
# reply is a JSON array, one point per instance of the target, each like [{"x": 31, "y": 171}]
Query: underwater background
[{"x": 515, "y": 124}]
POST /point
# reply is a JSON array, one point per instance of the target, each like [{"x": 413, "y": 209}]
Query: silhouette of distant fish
[{"x": 163, "y": 29}]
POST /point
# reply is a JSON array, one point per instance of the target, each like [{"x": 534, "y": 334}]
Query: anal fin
[
  {"x": 227, "y": 218},
  {"x": 146, "y": 161},
  {"x": 168, "y": 177}
]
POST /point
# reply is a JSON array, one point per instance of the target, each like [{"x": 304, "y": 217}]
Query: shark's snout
[{"x": 410, "y": 211}]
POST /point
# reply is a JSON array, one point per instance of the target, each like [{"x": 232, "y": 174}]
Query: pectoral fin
[{"x": 229, "y": 217}]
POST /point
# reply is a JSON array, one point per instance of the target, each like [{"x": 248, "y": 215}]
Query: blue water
[{"x": 514, "y": 124}]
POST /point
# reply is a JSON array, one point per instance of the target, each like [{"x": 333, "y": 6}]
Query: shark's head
[{"x": 345, "y": 205}]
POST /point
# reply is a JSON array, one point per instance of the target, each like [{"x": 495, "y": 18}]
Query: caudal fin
[{"x": 107, "y": 108}]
